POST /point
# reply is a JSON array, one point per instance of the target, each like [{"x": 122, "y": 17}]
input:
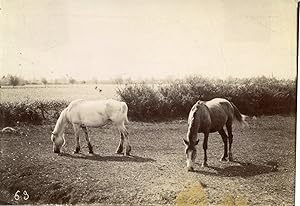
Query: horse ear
[
  {"x": 199, "y": 102},
  {"x": 185, "y": 142},
  {"x": 197, "y": 142}
]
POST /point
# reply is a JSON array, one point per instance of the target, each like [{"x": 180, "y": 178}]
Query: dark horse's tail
[{"x": 239, "y": 116}]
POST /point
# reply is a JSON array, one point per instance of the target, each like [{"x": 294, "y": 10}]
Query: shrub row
[
  {"x": 253, "y": 96},
  {"x": 34, "y": 112}
]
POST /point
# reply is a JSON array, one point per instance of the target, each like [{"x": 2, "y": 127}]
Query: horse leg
[
  {"x": 76, "y": 131},
  {"x": 126, "y": 143},
  {"x": 224, "y": 138},
  {"x": 230, "y": 137},
  {"x": 120, "y": 147},
  {"x": 87, "y": 139},
  {"x": 204, "y": 164}
]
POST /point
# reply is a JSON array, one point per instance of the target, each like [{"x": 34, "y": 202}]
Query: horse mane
[
  {"x": 59, "y": 126},
  {"x": 61, "y": 121},
  {"x": 194, "y": 123}
]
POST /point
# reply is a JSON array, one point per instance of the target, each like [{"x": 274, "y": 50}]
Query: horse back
[
  {"x": 221, "y": 106},
  {"x": 116, "y": 111},
  {"x": 220, "y": 111},
  {"x": 95, "y": 111}
]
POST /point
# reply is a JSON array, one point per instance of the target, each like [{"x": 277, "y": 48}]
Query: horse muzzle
[
  {"x": 191, "y": 169},
  {"x": 56, "y": 151}
]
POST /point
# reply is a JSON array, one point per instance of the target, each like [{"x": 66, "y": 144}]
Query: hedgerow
[
  {"x": 253, "y": 96},
  {"x": 159, "y": 102},
  {"x": 35, "y": 112}
]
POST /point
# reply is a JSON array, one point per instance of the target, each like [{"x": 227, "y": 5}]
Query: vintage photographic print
[{"x": 154, "y": 102}]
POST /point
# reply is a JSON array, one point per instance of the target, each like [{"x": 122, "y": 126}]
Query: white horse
[{"x": 91, "y": 113}]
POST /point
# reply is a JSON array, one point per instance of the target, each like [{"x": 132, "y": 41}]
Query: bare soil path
[{"x": 262, "y": 174}]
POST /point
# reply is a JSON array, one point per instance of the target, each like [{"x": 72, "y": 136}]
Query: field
[
  {"x": 150, "y": 102},
  {"x": 263, "y": 172},
  {"x": 55, "y": 92},
  {"x": 35, "y": 104}
]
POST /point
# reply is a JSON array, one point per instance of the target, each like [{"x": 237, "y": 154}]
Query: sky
[{"x": 88, "y": 39}]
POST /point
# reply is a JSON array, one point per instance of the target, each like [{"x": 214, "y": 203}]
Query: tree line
[{"x": 14, "y": 80}]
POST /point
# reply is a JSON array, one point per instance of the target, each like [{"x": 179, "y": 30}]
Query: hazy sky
[{"x": 148, "y": 38}]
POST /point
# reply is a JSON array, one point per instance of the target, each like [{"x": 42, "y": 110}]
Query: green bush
[{"x": 253, "y": 96}]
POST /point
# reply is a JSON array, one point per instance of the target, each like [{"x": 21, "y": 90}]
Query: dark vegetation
[
  {"x": 173, "y": 100},
  {"x": 34, "y": 112},
  {"x": 253, "y": 96}
]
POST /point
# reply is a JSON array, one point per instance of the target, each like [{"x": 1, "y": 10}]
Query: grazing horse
[
  {"x": 91, "y": 113},
  {"x": 208, "y": 117}
]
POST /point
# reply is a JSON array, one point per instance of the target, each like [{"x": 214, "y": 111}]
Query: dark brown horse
[{"x": 208, "y": 117}]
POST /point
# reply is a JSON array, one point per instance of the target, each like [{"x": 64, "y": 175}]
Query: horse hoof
[
  {"x": 230, "y": 159},
  {"x": 204, "y": 164},
  {"x": 128, "y": 152},
  {"x": 77, "y": 149},
  {"x": 119, "y": 152},
  {"x": 190, "y": 169},
  {"x": 129, "y": 149},
  {"x": 223, "y": 159},
  {"x": 90, "y": 149}
]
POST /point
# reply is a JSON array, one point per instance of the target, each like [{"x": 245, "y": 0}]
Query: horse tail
[
  {"x": 239, "y": 116},
  {"x": 124, "y": 109}
]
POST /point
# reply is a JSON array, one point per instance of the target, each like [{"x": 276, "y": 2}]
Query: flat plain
[
  {"x": 57, "y": 92},
  {"x": 263, "y": 171}
]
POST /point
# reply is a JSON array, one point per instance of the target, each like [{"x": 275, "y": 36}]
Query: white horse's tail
[
  {"x": 124, "y": 109},
  {"x": 239, "y": 117}
]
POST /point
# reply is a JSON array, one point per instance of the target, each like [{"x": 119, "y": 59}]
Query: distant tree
[
  {"x": 95, "y": 81},
  {"x": 13, "y": 80},
  {"x": 72, "y": 80},
  {"x": 128, "y": 81},
  {"x": 44, "y": 81},
  {"x": 118, "y": 80}
]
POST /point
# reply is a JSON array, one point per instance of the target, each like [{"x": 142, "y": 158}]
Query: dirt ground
[{"x": 263, "y": 172}]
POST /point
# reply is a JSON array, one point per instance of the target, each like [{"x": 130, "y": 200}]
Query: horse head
[
  {"x": 192, "y": 140},
  {"x": 191, "y": 153},
  {"x": 58, "y": 141}
]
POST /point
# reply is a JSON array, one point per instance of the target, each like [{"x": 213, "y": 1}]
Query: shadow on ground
[
  {"x": 114, "y": 158},
  {"x": 241, "y": 170}
]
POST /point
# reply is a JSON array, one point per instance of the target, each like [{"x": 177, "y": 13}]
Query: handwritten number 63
[{"x": 25, "y": 195}]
